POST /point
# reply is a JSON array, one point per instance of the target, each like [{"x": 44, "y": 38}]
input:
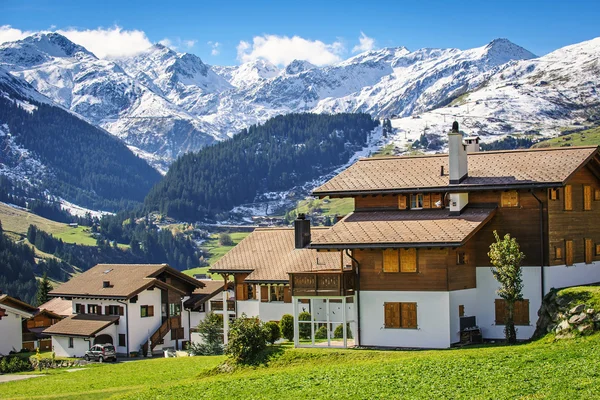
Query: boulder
[
  {"x": 585, "y": 329},
  {"x": 562, "y": 301},
  {"x": 578, "y": 319},
  {"x": 590, "y": 311},
  {"x": 558, "y": 316},
  {"x": 577, "y": 309},
  {"x": 597, "y": 318},
  {"x": 563, "y": 326}
]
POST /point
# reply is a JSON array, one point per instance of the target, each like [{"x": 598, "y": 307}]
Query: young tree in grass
[
  {"x": 210, "y": 330},
  {"x": 225, "y": 239},
  {"x": 506, "y": 257},
  {"x": 44, "y": 287}
]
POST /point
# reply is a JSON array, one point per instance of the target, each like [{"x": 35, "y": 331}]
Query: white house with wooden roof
[
  {"x": 132, "y": 307},
  {"x": 12, "y": 314}
]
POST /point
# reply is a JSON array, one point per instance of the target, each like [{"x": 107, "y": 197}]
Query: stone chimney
[
  {"x": 302, "y": 231},
  {"x": 457, "y": 156},
  {"x": 472, "y": 144}
]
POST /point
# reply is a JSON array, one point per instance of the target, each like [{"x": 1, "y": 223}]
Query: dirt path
[{"x": 10, "y": 378}]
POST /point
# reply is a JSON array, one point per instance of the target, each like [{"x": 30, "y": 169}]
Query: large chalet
[{"x": 409, "y": 266}]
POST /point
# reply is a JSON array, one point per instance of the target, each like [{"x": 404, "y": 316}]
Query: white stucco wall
[
  {"x": 273, "y": 311},
  {"x": 60, "y": 344},
  {"x": 11, "y": 331},
  {"x": 432, "y": 319},
  {"x": 467, "y": 298},
  {"x": 577, "y": 274},
  {"x": 486, "y": 295},
  {"x": 248, "y": 307}
]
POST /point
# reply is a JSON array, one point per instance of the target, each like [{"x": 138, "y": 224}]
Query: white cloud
[
  {"x": 365, "y": 43},
  {"x": 110, "y": 42},
  {"x": 10, "y": 34},
  {"x": 214, "y": 48},
  {"x": 281, "y": 50}
]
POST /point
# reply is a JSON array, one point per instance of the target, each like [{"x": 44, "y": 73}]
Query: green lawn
[
  {"x": 589, "y": 137},
  {"x": 385, "y": 151},
  {"x": 327, "y": 206},
  {"x": 17, "y": 222},
  {"x": 544, "y": 369},
  {"x": 216, "y": 251}
]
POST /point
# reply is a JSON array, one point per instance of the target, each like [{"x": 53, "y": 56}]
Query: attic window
[
  {"x": 105, "y": 284},
  {"x": 510, "y": 198},
  {"x": 553, "y": 194},
  {"x": 416, "y": 201}
]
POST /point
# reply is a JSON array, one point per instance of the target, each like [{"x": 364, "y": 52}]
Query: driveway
[{"x": 10, "y": 378}]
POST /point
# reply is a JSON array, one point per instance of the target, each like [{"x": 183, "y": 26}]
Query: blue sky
[{"x": 333, "y": 28}]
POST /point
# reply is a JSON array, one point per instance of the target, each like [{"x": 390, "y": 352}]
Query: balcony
[
  {"x": 322, "y": 283},
  {"x": 217, "y": 305}
]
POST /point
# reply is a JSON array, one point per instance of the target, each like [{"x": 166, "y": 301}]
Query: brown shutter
[
  {"x": 99, "y": 310},
  {"x": 553, "y": 194},
  {"x": 521, "y": 312},
  {"x": 408, "y": 260},
  {"x": 264, "y": 294},
  {"x": 409, "y": 315},
  {"x": 426, "y": 200},
  {"x": 510, "y": 198},
  {"x": 500, "y": 306},
  {"x": 569, "y": 252},
  {"x": 402, "y": 202},
  {"x": 287, "y": 296},
  {"x": 596, "y": 194},
  {"x": 435, "y": 197},
  {"x": 151, "y": 311},
  {"x": 392, "y": 315},
  {"x": 587, "y": 198},
  {"x": 387, "y": 315},
  {"x": 241, "y": 291},
  {"x": 390, "y": 260},
  {"x": 121, "y": 310},
  {"x": 106, "y": 310},
  {"x": 568, "y": 198},
  {"x": 589, "y": 251}
]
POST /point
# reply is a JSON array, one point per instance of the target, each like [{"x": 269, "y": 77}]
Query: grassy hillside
[
  {"x": 16, "y": 221},
  {"x": 544, "y": 369},
  {"x": 589, "y": 137},
  {"x": 216, "y": 251}
]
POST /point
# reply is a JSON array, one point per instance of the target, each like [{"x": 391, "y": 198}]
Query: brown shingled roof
[
  {"x": 404, "y": 229},
  {"x": 270, "y": 253},
  {"x": 58, "y": 306},
  {"x": 16, "y": 304},
  {"x": 201, "y": 295},
  {"x": 85, "y": 325},
  {"x": 126, "y": 280},
  {"x": 516, "y": 168}
]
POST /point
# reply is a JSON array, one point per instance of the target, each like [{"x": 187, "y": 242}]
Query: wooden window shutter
[
  {"x": 553, "y": 194},
  {"x": 597, "y": 249},
  {"x": 569, "y": 252},
  {"x": 521, "y": 312},
  {"x": 426, "y": 200},
  {"x": 106, "y": 310},
  {"x": 409, "y": 315},
  {"x": 587, "y": 198},
  {"x": 510, "y": 198},
  {"x": 596, "y": 194},
  {"x": 461, "y": 310},
  {"x": 500, "y": 306},
  {"x": 408, "y": 260},
  {"x": 151, "y": 311},
  {"x": 390, "y": 260},
  {"x": 99, "y": 310},
  {"x": 391, "y": 312},
  {"x": 589, "y": 251},
  {"x": 287, "y": 295},
  {"x": 264, "y": 294},
  {"x": 121, "y": 310},
  {"x": 435, "y": 198},
  {"x": 558, "y": 253},
  {"x": 568, "y": 198},
  {"x": 402, "y": 202}
]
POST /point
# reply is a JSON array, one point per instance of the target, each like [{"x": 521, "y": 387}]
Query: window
[
  {"x": 94, "y": 309},
  {"x": 79, "y": 309},
  {"x": 122, "y": 340},
  {"x": 408, "y": 260},
  {"x": 553, "y": 194},
  {"x": 520, "y": 313},
  {"x": 390, "y": 260},
  {"x": 587, "y": 198},
  {"x": 461, "y": 258},
  {"x": 114, "y": 310},
  {"x": 510, "y": 199},
  {"x": 569, "y": 252},
  {"x": 146, "y": 311},
  {"x": 251, "y": 292},
  {"x": 461, "y": 310},
  {"x": 568, "y": 198},
  {"x": 400, "y": 315},
  {"x": 416, "y": 201},
  {"x": 70, "y": 342},
  {"x": 177, "y": 333},
  {"x": 589, "y": 251},
  {"x": 558, "y": 252},
  {"x": 174, "y": 309},
  {"x": 276, "y": 293}
]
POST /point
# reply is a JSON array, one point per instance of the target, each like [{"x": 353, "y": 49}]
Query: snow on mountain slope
[
  {"x": 248, "y": 74},
  {"x": 538, "y": 97}
]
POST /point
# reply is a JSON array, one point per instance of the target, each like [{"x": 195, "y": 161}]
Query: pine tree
[{"x": 44, "y": 287}]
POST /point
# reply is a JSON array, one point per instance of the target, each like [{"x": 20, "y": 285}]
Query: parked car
[{"x": 101, "y": 353}]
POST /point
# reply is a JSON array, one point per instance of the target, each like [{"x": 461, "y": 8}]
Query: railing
[
  {"x": 322, "y": 283},
  {"x": 217, "y": 305},
  {"x": 159, "y": 334}
]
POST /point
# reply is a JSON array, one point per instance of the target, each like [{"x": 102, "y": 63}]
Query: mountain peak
[
  {"x": 54, "y": 44},
  {"x": 503, "y": 50},
  {"x": 298, "y": 66}
]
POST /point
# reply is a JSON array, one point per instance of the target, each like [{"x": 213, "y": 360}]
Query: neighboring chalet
[
  {"x": 129, "y": 306},
  {"x": 12, "y": 314},
  {"x": 44, "y": 317},
  {"x": 419, "y": 237}
]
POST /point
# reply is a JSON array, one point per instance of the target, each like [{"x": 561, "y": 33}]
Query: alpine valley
[{"x": 162, "y": 104}]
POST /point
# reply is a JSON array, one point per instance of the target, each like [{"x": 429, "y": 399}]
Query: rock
[
  {"x": 562, "y": 301},
  {"x": 590, "y": 311},
  {"x": 577, "y": 309},
  {"x": 578, "y": 319},
  {"x": 597, "y": 318},
  {"x": 585, "y": 329},
  {"x": 563, "y": 326},
  {"x": 550, "y": 328},
  {"x": 557, "y": 317}
]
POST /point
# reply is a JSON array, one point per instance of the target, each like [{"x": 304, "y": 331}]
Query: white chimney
[
  {"x": 457, "y": 156},
  {"x": 472, "y": 144}
]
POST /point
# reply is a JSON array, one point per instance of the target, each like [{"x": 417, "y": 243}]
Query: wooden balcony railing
[
  {"x": 159, "y": 334},
  {"x": 322, "y": 283},
  {"x": 217, "y": 305}
]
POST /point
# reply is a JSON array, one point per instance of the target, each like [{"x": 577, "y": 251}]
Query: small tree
[
  {"x": 44, "y": 287},
  {"x": 273, "y": 331},
  {"x": 247, "y": 340},
  {"x": 304, "y": 329},
  {"x": 210, "y": 330},
  {"x": 225, "y": 239},
  {"x": 286, "y": 325},
  {"x": 338, "y": 332},
  {"x": 506, "y": 257}
]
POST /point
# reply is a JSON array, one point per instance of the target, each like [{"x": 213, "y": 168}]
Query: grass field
[
  {"x": 543, "y": 369},
  {"x": 589, "y": 137},
  {"x": 216, "y": 251},
  {"x": 17, "y": 221},
  {"x": 329, "y": 207}
]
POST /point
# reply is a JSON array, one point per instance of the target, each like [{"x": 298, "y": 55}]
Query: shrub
[
  {"x": 211, "y": 332},
  {"x": 247, "y": 340},
  {"x": 10, "y": 365},
  {"x": 225, "y": 239},
  {"x": 338, "y": 333},
  {"x": 286, "y": 325},
  {"x": 321, "y": 333},
  {"x": 304, "y": 329},
  {"x": 273, "y": 331}
]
